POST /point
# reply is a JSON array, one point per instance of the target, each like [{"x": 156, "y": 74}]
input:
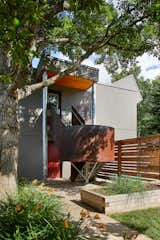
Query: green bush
[
  {"x": 35, "y": 215},
  {"x": 124, "y": 185}
]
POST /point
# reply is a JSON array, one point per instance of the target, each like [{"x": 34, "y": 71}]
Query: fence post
[
  {"x": 139, "y": 163},
  {"x": 119, "y": 158}
]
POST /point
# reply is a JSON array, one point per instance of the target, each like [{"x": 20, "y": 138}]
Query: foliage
[
  {"x": 124, "y": 185},
  {"x": 145, "y": 221},
  {"x": 22, "y": 23},
  {"x": 149, "y": 108},
  {"x": 118, "y": 33},
  {"x": 154, "y": 108},
  {"x": 135, "y": 70},
  {"x": 32, "y": 215},
  {"x": 143, "y": 116}
]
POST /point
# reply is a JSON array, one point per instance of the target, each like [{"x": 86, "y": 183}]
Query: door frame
[{"x": 50, "y": 91}]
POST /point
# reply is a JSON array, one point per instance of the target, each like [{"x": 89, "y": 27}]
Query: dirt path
[{"x": 105, "y": 227}]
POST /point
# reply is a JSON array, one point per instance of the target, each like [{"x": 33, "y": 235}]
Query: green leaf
[{"x": 16, "y": 22}]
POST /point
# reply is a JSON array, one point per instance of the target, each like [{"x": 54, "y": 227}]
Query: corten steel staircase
[
  {"x": 87, "y": 147},
  {"x": 77, "y": 120},
  {"x": 83, "y": 170}
]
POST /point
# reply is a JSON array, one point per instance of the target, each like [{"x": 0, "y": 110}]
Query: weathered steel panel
[{"x": 88, "y": 143}]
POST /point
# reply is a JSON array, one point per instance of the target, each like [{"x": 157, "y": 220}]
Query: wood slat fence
[{"x": 138, "y": 156}]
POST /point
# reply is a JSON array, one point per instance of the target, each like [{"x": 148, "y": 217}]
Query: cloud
[
  {"x": 153, "y": 67},
  {"x": 59, "y": 55},
  {"x": 150, "y": 66},
  {"x": 35, "y": 62}
]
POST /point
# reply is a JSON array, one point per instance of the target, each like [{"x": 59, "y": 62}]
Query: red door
[{"x": 54, "y": 169}]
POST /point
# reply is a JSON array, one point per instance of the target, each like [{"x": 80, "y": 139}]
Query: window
[{"x": 54, "y": 98}]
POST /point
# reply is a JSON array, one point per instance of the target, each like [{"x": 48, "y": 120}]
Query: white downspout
[
  {"x": 44, "y": 126},
  {"x": 94, "y": 104}
]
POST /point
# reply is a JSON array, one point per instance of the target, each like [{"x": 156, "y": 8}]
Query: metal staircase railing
[{"x": 76, "y": 117}]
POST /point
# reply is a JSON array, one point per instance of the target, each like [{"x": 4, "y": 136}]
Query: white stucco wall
[{"x": 116, "y": 107}]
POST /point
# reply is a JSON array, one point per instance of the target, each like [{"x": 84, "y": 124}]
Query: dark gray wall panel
[
  {"x": 30, "y": 157},
  {"x": 30, "y": 140}
]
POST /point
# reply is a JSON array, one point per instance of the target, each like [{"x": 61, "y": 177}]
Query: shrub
[
  {"x": 35, "y": 215},
  {"x": 124, "y": 184}
]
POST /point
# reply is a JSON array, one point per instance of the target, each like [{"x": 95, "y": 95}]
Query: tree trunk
[{"x": 8, "y": 143}]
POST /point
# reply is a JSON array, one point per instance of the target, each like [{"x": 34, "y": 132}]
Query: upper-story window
[{"x": 54, "y": 100}]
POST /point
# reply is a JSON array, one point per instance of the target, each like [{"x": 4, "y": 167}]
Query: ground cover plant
[
  {"x": 144, "y": 221},
  {"x": 35, "y": 215},
  {"x": 123, "y": 185}
]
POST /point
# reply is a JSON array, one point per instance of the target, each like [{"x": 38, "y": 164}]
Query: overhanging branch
[
  {"x": 29, "y": 89},
  {"x": 124, "y": 49}
]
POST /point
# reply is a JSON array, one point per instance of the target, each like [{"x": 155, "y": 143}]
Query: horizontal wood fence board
[
  {"x": 141, "y": 159},
  {"x": 141, "y": 154},
  {"x": 143, "y": 175},
  {"x": 137, "y": 156},
  {"x": 148, "y": 169}
]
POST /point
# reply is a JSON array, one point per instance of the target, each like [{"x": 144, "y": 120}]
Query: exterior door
[{"x": 54, "y": 164}]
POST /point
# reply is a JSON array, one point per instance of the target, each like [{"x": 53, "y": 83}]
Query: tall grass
[
  {"x": 124, "y": 185},
  {"x": 32, "y": 215}
]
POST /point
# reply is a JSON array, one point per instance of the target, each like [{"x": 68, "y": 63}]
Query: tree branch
[
  {"x": 42, "y": 42},
  {"x": 29, "y": 89},
  {"x": 121, "y": 48},
  {"x": 58, "y": 40},
  {"x": 54, "y": 9}
]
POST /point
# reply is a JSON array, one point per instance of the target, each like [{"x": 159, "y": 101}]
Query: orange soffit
[{"x": 74, "y": 82}]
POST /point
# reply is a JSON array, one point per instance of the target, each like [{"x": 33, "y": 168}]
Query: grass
[
  {"x": 144, "y": 221},
  {"x": 35, "y": 215},
  {"x": 123, "y": 185}
]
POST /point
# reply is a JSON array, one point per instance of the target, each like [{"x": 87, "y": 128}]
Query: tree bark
[{"x": 8, "y": 143}]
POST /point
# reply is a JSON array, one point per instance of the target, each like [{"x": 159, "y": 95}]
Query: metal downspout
[{"x": 44, "y": 126}]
